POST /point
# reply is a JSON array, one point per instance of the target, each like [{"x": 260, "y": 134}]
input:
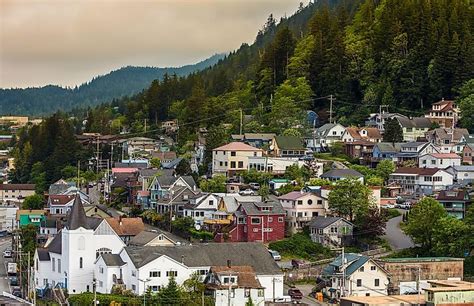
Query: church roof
[{"x": 77, "y": 216}]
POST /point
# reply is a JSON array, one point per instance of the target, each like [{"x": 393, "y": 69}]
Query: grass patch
[
  {"x": 301, "y": 246},
  {"x": 391, "y": 213}
]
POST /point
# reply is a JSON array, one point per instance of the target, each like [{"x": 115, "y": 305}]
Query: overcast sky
[{"x": 67, "y": 42}]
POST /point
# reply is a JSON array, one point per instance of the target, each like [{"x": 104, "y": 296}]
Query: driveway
[{"x": 395, "y": 236}]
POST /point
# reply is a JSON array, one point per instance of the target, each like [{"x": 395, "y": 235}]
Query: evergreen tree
[{"x": 393, "y": 132}]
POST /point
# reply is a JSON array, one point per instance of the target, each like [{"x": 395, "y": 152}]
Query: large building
[
  {"x": 233, "y": 158},
  {"x": 445, "y": 113},
  {"x": 68, "y": 260}
]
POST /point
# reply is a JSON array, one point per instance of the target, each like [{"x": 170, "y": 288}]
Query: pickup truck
[{"x": 295, "y": 294}]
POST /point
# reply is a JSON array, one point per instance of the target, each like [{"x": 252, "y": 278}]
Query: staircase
[{"x": 59, "y": 297}]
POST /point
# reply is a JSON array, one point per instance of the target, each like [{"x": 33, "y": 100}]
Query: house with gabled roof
[
  {"x": 228, "y": 205},
  {"x": 232, "y": 158},
  {"x": 421, "y": 181},
  {"x": 331, "y": 231},
  {"x": 414, "y": 128},
  {"x": 68, "y": 260},
  {"x": 159, "y": 263},
  {"x": 161, "y": 185},
  {"x": 241, "y": 280},
  {"x": 370, "y": 134},
  {"x": 287, "y": 146},
  {"x": 156, "y": 237},
  {"x": 439, "y": 160},
  {"x": 445, "y": 113},
  {"x": 256, "y": 221},
  {"x": 411, "y": 151},
  {"x": 201, "y": 208},
  {"x": 323, "y": 137},
  {"x": 353, "y": 274},
  {"x": 176, "y": 200},
  {"x": 301, "y": 207},
  {"x": 449, "y": 140}
]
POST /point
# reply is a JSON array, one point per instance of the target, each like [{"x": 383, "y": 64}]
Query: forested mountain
[
  {"x": 126, "y": 81},
  {"x": 402, "y": 53}
]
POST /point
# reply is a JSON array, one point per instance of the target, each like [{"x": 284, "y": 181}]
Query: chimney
[
  {"x": 228, "y": 263},
  {"x": 120, "y": 220},
  {"x": 182, "y": 259}
]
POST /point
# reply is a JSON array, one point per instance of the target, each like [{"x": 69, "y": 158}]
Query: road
[
  {"x": 395, "y": 236},
  {"x": 5, "y": 243},
  {"x": 306, "y": 290}
]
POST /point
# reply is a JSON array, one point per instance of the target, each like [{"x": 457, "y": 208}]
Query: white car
[
  {"x": 247, "y": 192},
  {"x": 276, "y": 256},
  {"x": 7, "y": 254}
]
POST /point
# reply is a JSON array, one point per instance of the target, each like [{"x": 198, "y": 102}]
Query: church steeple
[{"x": 77, "y": 216}]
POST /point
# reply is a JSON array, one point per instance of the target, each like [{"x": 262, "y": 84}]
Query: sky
[{"x": 68, "y": 42}]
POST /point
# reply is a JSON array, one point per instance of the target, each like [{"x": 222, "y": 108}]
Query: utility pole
[
  {"x": 330, "y": 107},
  {"x": 94, "y": 289},
  {"x": 78, "y": 174},
  {"x": 28, "y": 275},
  {"x": 241, "y": 121},
  {"x": 97, "y": 154},
  {"x": 228, "y": 292}
]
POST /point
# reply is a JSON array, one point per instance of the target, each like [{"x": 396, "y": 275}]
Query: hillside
[
  {"x": 404, "y": 54},
  {"x": 126, "y": 81}
]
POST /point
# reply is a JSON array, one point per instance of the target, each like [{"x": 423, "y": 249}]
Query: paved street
[
  {"x": 395, "y": 236},
  {"x": 306, "y": 290},
  {"x": 5, "y": 243}
]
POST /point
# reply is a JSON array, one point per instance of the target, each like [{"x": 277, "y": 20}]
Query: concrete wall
[{"x": 406, "y": 271}]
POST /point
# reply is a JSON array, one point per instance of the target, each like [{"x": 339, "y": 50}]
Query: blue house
[
  {"x": 312, "y": 118},
  {"x": 386, "y": 150}
]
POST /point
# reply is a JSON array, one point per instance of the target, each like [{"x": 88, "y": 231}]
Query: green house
[{"x": 27, "y": 217}]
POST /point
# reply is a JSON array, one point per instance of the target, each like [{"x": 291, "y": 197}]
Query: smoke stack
[{"x": 228, "y": 263}]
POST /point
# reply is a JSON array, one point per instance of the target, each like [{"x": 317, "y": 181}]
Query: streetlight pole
[{"x": 144, "y": 281}]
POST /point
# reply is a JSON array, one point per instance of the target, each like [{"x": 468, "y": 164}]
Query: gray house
[{"x": 331, "y": 231}]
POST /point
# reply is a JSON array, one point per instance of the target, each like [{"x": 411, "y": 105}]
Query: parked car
[
  {"x": 17, "y": 292},
  {"x": 296, "y": 263},
  {"x": 7, "y": 253},
  {"x": 387, "y": 206},
  {"x": 254, "y": 186},
  {"x": 247, "y": 192},
  {"x": 13, "y": 281},
  {"x": 276, "y": 256},
  {"x": 295, "y": 294}
]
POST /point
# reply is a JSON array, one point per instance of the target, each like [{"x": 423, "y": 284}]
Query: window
[
  {"x": 59, "y": 265},
  {"x": 134, "y": 273},
  {"x": 377, "y": 282},
  {"x": 255, "y": 220},
  {"x": 359, "y": 283},
  {"x": 45, "y": 281},
  {"x": 255, "y": 230},
  {"x": 211, "y": 202},
  {"x": 247, "y": 292},
  {"x": 300, "y": 202},
  {"x": 155, "y": 274},
  {"x": 220, "y": 163},
  {"x": 320, "y": 202},
  {"x": 232, "y": 164},
  {"x": 135, "y": 287},
  {"x": 101, "y": 284},
  {"x": 260, "y": 292},
  {"x": 101, "y": 270},
  {"x": 270, "y": 219},
  {"x": 202, "y": 272},
  {"x": 315, "y": 214},
  {"x": 361, "y": 269},
  {"x": 232, "y": 293},
  {"x": 373, "y": 268},
  {"x": 241, "y": 164},
  {"x": 310, "y": 202},
  {"x": 80, "y": 263},
  {"x": 232, "y": 153},
  {"x": 171, "y": 273},
  {"x": 54, "y": 264},
  {"x": 81, "y": 243},
  {"x": 280, "y": 219},
  {"x": 320, "y": 231}
]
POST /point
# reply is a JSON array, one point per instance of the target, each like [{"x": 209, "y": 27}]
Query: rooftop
[
  {"x": 385, "y": 300},
  {"x": 236, "y": 146},
  {"x": 289, "y": 143}
]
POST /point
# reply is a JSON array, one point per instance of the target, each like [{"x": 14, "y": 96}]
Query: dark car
[
  {"x": 295, "y": 294},
  {"x": 13, "y": 281},
  {"x": 296, "y": 263},
  {"x": 17, "y": 292}
]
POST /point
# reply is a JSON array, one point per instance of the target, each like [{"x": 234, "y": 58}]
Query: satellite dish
[
  {"x": 197, "y": 227},
  {"x": 272, "y": 147}
]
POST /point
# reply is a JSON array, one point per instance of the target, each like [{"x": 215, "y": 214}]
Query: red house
[{"x": 257, "y": 221}]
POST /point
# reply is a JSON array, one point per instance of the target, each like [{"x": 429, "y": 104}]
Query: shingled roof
[
  {"x": 289, "y": 143},
  {"x": 253, "y": 254},
  {"x": 113, "y": 260},
  {"x": 77, "y": 217},
  {"x": 126, "y": 226}
]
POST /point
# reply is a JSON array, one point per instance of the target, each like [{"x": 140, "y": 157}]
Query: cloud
[{"x": 69, "y": 41}]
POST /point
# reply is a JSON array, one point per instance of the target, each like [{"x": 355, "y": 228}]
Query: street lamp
[{"x": 144, "y": 281}]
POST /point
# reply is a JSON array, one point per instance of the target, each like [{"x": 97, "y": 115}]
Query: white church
[{"x": 68, "y": 261}]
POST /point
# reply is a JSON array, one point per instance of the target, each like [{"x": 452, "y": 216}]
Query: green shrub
[
  {"x": 104, "y": 299},
  {"x": 301, "y": 246}
]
